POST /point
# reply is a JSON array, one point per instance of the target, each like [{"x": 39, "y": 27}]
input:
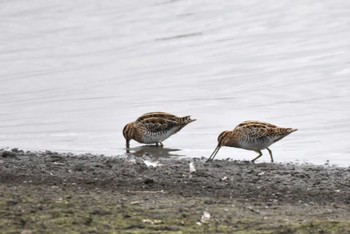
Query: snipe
[
  {"x": 154, "y": 127},
  {"x": 252, "y": 135}
]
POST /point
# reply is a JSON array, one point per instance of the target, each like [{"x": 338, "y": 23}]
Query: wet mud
[{"x": 49, "y": 192}]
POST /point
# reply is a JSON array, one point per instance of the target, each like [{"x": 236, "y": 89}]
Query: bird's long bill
[
  {"x": 214, "y": 153},
  {"x": 127, "y": 146}
]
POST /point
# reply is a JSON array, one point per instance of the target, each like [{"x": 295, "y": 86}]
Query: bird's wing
[
  {"x": 154, "y": 124},
  {"x": 158, "y": 115},
  {"x": 257, "y": 129}
]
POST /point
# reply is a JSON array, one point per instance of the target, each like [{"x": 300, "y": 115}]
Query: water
[{"x": 73, "y": 73}]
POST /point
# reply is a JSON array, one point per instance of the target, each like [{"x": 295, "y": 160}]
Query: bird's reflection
[{"x": 153, "y": 151}]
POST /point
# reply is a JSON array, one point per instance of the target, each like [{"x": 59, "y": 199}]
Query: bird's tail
[
  {"x": 286, "y": 131},
  {"x": 186, "y": 120}
]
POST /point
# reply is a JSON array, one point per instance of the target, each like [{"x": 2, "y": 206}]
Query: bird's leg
[
  {"x": 270, "y": 152},
  {"x": 260, "y": 154},
  {"x": 161, "y": 144}
]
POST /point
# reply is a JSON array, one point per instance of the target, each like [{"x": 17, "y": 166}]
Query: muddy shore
[{"x": 49, "y": 192}]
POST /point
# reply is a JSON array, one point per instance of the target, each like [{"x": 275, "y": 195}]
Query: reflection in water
[{"x": 153, "y": 151}]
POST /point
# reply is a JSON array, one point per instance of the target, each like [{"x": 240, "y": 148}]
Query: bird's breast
[
  {"x": 256, "y": 143},
  {"x": 155, "y": 137}
]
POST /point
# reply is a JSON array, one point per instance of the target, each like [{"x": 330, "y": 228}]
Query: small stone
[{"x": 148, "y": 181}]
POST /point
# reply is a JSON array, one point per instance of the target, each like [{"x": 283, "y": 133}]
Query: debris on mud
[{"x": 50, "y": 192}]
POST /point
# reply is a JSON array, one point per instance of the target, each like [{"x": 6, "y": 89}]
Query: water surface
[{"x": 73, "y": 73}]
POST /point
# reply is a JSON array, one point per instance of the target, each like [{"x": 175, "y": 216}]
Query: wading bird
[
  {"x": 252, "y": 135},
  {"x": 154, "y": 127}
]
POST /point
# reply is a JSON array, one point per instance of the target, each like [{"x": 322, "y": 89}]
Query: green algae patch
[
  {"x": 324, "y": 226},
  {"x": 36, "y": 209}
]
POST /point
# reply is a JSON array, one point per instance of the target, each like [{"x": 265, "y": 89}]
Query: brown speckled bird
[
  {"x": 252, "y": 135},
  {"x": 154, "y": 127}
]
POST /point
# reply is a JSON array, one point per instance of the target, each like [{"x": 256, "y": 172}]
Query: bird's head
[
  {"x": 128, "y": 133},
  {"x": 224, "y": 138}
]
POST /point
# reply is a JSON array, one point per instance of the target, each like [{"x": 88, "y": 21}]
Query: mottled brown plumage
[
  {"x": 154, "y": 127},
  {"x": 252, "y": 135}
]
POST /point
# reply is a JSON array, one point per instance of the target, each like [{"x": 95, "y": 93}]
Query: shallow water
[{"x": 74, "y": 73}]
